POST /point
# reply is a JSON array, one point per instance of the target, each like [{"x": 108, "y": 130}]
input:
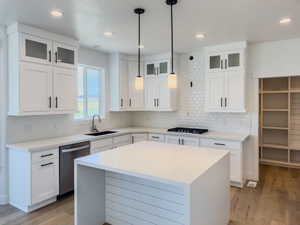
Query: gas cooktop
[{"x": 188, "y": 130}]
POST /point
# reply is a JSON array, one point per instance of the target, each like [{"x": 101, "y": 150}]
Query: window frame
[{"x": 102, "y": 97}]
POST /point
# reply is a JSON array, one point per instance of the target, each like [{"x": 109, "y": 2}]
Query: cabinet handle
[
  {"x": 50, "y": 102},
  {"x": 132, "y": 139},
  {"x": 130, "y": 102},
  {"x": 179, "y": 141},
  {"x": 226, "y": 63},
  {"x": 55, "y": 57},
  {"x": 222, "y": 64},
  {"x": 121, "y": 102},
  {"x": 154, "y": 102},
  {"x": 47, "y": 164},
  {"x": 50, "y": 56},
  {"x": 157, "y": 104},
  {"x": 220, "y": 144},
  {"x": 56, "y": 102},
  {"x": 182, "y": 141},
  {"x": 225, "y": 102},
  {"x": 43, "y": 156},
  {"x": 154, "y": 137},
  {"x": 221, "y": 102}
]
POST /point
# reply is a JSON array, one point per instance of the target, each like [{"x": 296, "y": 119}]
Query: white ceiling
[{"x": 221, "y": 20}]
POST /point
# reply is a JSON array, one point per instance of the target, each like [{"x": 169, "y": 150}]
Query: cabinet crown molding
[
  {"x": 17, "y": 27},
  {"x": 227, "y": 47}
]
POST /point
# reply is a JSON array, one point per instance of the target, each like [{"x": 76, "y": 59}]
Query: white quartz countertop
[
  {"x": 149, "y": 159},
  {"x": 48, "y": 143}
]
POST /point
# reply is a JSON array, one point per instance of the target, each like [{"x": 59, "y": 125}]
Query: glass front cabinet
[
  {"x": 39, "y": 50},
  {"x": 228, "y": 61},
  {"x": 157, "y": 68}
]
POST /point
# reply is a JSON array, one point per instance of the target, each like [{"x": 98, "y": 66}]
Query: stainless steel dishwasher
[{"x": 67, "y": 154}]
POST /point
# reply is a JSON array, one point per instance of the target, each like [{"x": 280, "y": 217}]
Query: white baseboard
[{"x": 3, "y": 199}]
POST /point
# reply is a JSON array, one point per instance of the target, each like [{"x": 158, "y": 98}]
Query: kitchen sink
[{"x": 102, "y": 133}]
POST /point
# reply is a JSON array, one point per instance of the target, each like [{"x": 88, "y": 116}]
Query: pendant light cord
[
  {"x": 139, "y": 48},
  {"x": 172, "y": 41}
]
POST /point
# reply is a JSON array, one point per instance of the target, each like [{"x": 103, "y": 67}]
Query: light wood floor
[{"x": 276, "y": 201}]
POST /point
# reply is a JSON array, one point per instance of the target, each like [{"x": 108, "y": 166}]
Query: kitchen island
[{"x": 153, "y": 183}]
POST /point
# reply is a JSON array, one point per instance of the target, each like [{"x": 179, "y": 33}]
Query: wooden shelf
[
  {"x": 295, "y": 90},
  {"x": 275, "y": 146},
  {"x": 275, "y": 110},
  {"x": 276, "y": 128},
  {"x": 275, "y": 92}
]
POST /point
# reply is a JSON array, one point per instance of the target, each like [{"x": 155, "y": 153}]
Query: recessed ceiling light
[
  {"x": 108, "y": 34},
  {"x": 56, "y": 13},
  {"x": 285, "y": 20},
  {"x": 141, "y": 46},
  {"x": 200, "y": 36}
]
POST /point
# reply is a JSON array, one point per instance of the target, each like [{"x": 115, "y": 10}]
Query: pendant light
[
  {"x": 139, "y": 80},
  {"x": 172, "y": 78}
]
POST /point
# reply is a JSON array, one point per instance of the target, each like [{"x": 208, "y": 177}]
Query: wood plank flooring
[{"x": 276, "y": 201}]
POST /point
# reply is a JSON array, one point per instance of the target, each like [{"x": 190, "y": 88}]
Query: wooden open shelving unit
[{"x": 279, "y": 121}]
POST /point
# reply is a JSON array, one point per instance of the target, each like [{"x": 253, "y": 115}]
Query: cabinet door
[
  {"x": 172, "y": 139},
  {"x": 44, "y": 181},
  {"x": 101, "y": 149},
  {"x": 151, "y": 92},
  {"x": 35, "y": 87},
  {"x": 236, "y": 167},
  {"x": 136, "y": 97},
  {"x": 163, "y": 101},
  {"x": 64, "y": 90},
  {"x": 36, "y": 49},
  {"x": 215, "y": 92},
  {"x": 190, "y": 141},
  {"x": 235, "y": 92},
  {"x": 139, "y": 137},
  {"x": 215, "y": 62},
  {"x": 123, "y": 84},
  {"x": 65, "y": 55},
  {"x": 151, "y": 69}
]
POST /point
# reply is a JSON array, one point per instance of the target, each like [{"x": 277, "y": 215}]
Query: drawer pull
[
  {"x": 219, "y": 144},
  {"x": 47, "y": 164},
  {"x": 155, "y": 137},
  {"x": 43, "y": 156}
]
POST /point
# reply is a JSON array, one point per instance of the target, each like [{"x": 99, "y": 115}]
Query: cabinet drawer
[
  {"x": 157, "y": 137},
  {"x": 213, "y": 143},
  {"x": 44, "y": 155},
  {"x": 102, "y": 143}
]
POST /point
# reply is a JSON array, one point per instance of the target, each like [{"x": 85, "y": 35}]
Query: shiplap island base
[{"x": 153, "y": 183}]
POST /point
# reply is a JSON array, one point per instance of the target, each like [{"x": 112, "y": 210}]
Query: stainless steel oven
[{"x": 67, "y": 154}]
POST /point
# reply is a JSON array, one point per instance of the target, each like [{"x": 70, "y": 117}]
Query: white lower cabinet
[
  {"x": 101, "y": 145},
  {"x": 138, "y": 138},
  {"x": 236, "y": 158},
  {"x": 190, "y": 141},
  {"x": 33, "y": 178},
  {"x": 43, "y": 189},
  {"x": 121, "y": 141}
]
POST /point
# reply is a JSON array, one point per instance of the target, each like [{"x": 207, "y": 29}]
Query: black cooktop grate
[{"x": 188, "y": 130}]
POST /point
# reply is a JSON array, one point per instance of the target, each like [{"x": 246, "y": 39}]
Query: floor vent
[{"x": 252, "y": 184}]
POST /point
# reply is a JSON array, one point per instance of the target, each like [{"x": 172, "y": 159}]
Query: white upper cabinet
[
  {"x": 119, "y": 82},
  {"x": 42, "y": 72},
  {"x": 156, "y": 95},
  {"x": 225, "y": 78}
]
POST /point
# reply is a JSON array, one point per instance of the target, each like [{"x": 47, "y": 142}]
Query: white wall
[
  {"x": 275, "y": 58},
  {"x": 36, "y": 127},
  {"x": 3, "y": 178}
]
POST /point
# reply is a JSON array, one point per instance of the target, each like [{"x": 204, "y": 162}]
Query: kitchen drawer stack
[{"x": 280, "y": 121}]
